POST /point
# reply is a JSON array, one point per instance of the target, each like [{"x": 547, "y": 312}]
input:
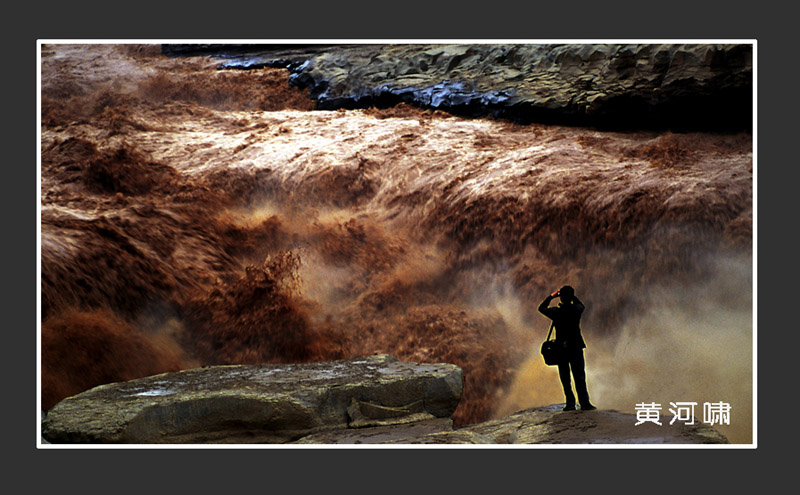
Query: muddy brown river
[{"x": 191, "y": 216}]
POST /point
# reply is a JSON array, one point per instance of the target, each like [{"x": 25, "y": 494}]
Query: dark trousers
[{"x": 573, "y": 362}]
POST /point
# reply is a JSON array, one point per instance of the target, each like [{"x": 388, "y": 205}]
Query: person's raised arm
[{"x": 544, "y": 306}]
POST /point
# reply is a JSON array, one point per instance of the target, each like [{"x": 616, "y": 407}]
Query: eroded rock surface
[
  {"x": 265, "y": 404},
  {"x": 630, "y": 86},
  {"x": 542, "y": 425},
  {"x": 371, "y": 400},
  {"x": 551, "y": 425}
]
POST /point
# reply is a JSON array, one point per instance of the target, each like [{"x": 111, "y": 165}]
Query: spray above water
[{"x": 277, "y": 234}]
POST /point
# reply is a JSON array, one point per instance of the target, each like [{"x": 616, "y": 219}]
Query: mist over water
[
  {"x": 690, "y": 344},
  {"x": 205, "y": 226}
]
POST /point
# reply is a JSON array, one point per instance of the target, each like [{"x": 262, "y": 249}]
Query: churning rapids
[{"x": 191, "y": 216}]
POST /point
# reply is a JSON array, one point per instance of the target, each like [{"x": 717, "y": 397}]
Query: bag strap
[{"x": 552, "y": 323}]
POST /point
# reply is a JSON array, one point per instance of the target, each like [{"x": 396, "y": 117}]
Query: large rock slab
[
  {"x": 257, "y": 404},
  {"x": 679, "y": 86},
  {"x": 369, "y": 400},
  {"x": 551, "y": 425},
  {"x": 543, "y": 425}
]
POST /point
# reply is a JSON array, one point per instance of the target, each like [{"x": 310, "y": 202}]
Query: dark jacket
[{"x": 567, "y": 321}]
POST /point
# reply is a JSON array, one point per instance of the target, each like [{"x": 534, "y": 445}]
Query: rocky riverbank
[{"x": 614, "y": 86}]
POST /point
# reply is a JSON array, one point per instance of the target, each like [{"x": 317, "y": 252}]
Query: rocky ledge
[
  {"x": 633, "y": 86},
  {"x": 374, "y": 399}
]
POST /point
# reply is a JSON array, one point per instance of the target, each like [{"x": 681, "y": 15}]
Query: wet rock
[
  {"x": 256, "y": 404},
  {"x": 679, "y": 86}
]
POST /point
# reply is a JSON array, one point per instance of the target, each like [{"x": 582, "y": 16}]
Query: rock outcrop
[
  {"x": 543, "y": 425},
  {"x": 633, "y": 86},
  {"x": 370, "y": 400},
  {"x": 256, "y": 404}
]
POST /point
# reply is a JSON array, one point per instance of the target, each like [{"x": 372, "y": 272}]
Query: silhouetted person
[{"x": 567, "y": 322}]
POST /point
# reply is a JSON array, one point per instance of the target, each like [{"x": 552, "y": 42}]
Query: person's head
[{"x": 566, "y": 294}]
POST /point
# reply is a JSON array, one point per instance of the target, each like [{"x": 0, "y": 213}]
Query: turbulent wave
[{"x": 193, "y": 217}]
